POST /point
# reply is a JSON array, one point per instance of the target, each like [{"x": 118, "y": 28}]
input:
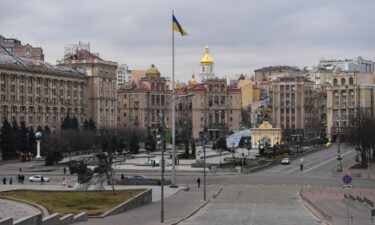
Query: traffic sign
[
  {"x": 347, "y": 179},
  {"x": 347, "y": 186}
]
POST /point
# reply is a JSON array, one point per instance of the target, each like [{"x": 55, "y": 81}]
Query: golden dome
[
  {"x": 207, "y": 59},
  {"x": 153, "y": 72},
  {"x": 193, "y": 80}
]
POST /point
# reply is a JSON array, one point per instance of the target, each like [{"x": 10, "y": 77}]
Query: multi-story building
[
  {"x": 213, "y": 104},
  {"x": 101, "y": 85},
  {"x": 12, "y": 46},
  {"x": 72, "y": 49},
  {"x": 39, "y": 93},
  {"x": 123, "y": 74},
  {"x": 349, "y": 94},
  {"x": 249, "y": 92},
  {"x": 357, "y": 64},
  {"x": 140, "y": 103},
  {"x": 295, "y": 107}
]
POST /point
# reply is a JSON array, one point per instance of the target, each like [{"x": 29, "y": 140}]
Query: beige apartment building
[
  {"x": 40, "y": 93},
  {"x": 349, "y": 93},
  {"x": 141, "y": 102},
  {"x": 213, "y": 105},
  {"x": 295, "y": 107},
  {"x": 101, "y": 85}
]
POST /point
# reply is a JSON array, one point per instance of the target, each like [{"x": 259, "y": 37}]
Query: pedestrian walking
[
  {"x": 4, "y": 180},
  {"x": 199, "y": 182},
  {"x": 63, "y": 182},
  {"x": 22, "y": 179},
  {"x": 19, "y": 178},
  {"x": 122, "y": 177},
  {"x": 10, "y": 180},
  {"x": 42, "y": 180},
  {"x": 64, "y": 170}
]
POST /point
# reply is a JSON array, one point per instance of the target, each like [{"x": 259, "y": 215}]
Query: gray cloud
[{"x": 243, "y": 35}]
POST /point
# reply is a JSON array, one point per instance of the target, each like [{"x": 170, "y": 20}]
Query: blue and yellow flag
[{"x": 177, "y": 27}]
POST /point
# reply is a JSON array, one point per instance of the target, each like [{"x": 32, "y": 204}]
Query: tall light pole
[
  {"x": 339, "y": 158},
  {"x": 162, "y": 165},
  {"x": 202, "y": 135}
]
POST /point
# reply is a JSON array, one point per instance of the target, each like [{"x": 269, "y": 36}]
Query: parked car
[
  {"x": 138, "y": 177},
  {"x": 37, "y": 178},
  {"x": 285, "y": 161}
]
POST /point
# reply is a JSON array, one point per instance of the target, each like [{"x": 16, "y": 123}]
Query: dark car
[{"x": 138, "y": 177}]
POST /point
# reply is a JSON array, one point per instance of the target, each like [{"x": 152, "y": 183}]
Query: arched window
[
  {"x": 351, "y": 81},
  {"x": 335, "y": 82},
  {"x": 343, "y": 82}
]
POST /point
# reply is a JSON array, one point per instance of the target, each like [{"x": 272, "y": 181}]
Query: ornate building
[
  {"x": 101, "y": 85},
  {"x": 207, "y": 67},
  {"x": 39, "y": 93},
  {"x": 349, "y": 94},
  {"x": 212, "y": 104},
  {"x": 140, "y": 103}
]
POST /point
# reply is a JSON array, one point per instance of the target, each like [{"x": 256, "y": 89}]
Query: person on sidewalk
[
  {"x": 63, "y": 182},
  {"x": 199, "y": 182},
  {"x": 42, "y": 180},
  {"x": 64, "y": 170},
  {"x": 10, "y": 180},
  {"x": 4, "y": 180}
]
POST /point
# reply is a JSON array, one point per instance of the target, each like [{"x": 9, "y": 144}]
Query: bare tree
[{"x": 361, "y": 135}]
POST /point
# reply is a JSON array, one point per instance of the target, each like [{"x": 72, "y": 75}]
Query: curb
[
  {"x": 199, "y": 208},
  {"x": 311, "y": 210},
  {"x": 41, "y": 208},
  {"x": 191, "y": 214}
]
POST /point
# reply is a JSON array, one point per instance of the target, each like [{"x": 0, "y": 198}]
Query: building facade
[
  {"x": 213, "y": 105},
  {"x": 101, "y": 85},
  {"x": 123, "y": 74},
  {"x": 350, "y": 93},
  {"x": 41, "y": 94},
  {"x": 140, "y": 103},
  {"x": 295, "y": 107},
  {"x": 12, "y": 46}
]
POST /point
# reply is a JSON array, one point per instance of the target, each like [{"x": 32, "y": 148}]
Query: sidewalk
[{"x": 178, "y": 206}]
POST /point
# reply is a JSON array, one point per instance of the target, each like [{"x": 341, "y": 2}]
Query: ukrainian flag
[{"x": 177, "y": 27}]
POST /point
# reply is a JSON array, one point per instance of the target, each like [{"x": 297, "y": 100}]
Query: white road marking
[{"x": 326, "y": 162}]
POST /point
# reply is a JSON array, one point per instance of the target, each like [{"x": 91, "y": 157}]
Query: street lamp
[
  {"x": 162, "y": 165},
  {"x": 339, "y": 158},
  {"x": 203, "y": 137}
]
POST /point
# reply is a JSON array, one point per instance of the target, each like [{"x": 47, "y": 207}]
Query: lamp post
[
  {"x": 339, "y": 158},
  {"x": 202, "y": 135},
  {"x": 162, "y": 166}
]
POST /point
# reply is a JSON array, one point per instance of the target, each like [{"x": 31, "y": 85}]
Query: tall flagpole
[{"x": 173, "y": 118}]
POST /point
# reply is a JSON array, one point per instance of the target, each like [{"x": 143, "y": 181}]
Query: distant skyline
[{"x": 242, "y": 35}]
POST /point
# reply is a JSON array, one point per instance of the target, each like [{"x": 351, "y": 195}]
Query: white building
[
  {"x": 357, "y": 64},
  {"x": 72, "y": 49},
  {"x": 207, "y": 67},
  {"x": 123, "y": 74}
]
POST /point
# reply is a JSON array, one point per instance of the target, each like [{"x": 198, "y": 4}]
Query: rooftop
[{"x": 21, "y": 63}]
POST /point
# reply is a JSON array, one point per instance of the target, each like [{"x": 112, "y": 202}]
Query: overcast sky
[{"x": 243, "y": 35}]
